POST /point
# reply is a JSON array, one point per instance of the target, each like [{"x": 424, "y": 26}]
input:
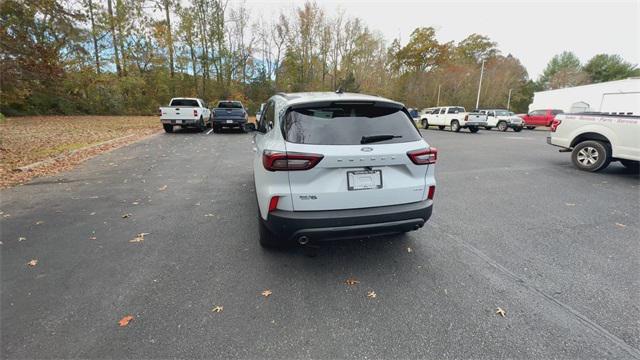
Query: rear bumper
[
  {"x": 180, "y": 121},
  {"x": 221, "y": 122},
  {"x": 353, "y": 223},
  {"x": 475, "y": 123}
]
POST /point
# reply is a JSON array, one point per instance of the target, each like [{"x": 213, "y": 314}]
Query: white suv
[{"x": 339, "y": 165}]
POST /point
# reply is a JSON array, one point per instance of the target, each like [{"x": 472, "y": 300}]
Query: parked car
[
  {"x": 186, "y": 112},
  {"x": 596, "y": 139},
  {"x": 423, "y": 117},
  {"x": 339, "y": 165},
  {"x": 414, "y": 114},
  {"x": 502, "y": 119},
  {"x": 540, "y": 118},
  {"x": 229, "y": 114},
  {"x": 456, "y": 117}
]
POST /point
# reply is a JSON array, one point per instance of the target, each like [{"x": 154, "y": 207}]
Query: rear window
[
  {"x": 230, "y": 105},
  {"x": 184, "y": 102},
  {"x": 347, "y": 124}
]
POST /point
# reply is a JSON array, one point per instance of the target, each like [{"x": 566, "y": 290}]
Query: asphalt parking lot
[{"x": 515, "y": 226}]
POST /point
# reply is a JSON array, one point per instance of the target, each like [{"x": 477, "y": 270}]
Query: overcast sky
[{"x": 533, "y": 31}]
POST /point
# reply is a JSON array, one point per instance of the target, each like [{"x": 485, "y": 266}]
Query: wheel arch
[{"x": 589, "y": 136}]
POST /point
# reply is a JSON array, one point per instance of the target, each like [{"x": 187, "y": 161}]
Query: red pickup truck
[{"x": 539, "y": 117}]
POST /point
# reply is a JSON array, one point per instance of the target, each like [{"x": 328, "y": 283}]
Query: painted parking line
[{"x": 209, "y": 132}]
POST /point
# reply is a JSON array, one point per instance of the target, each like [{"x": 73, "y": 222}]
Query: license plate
[
  {"x": 364, "y": 180},
  {"x": 178, "y": 121},
  {"x": 229, "y": 121}
]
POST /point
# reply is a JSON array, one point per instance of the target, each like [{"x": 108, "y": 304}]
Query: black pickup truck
[{"x": 229, "y": 114}]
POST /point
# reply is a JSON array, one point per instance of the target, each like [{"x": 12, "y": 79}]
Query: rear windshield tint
[
  {"x": 185, "y": 102},
  {"x": 230, "y": 105},
  {"x": 347, "y": 124}
]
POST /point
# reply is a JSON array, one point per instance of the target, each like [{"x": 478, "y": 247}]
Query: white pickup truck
[
  {"x": 596, "y": 139},
  {"x": 186, "y": 112},
  {"x": 454, "y": 117}
]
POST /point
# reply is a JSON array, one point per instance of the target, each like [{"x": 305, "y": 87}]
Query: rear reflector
[
  {"x": 423, "y": 156},
  {"x": 289, "y": 161},
  {"x": 273, "y": 203},
  {"x": 432, "y": 191}
]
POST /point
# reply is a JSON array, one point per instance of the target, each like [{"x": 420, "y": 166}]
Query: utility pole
[
  {"x": 438, "y": 101},
  {"x": 480, "y": 85},
  {"x": 509, "y": 99}
]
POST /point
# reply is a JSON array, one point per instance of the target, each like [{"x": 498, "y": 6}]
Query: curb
[{"x": 40, "y": 163}]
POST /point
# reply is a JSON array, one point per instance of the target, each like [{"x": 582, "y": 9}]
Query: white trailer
[{"x": 617, "y": 97}]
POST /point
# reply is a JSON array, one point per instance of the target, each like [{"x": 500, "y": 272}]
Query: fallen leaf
[
  {"x": 135, "y": 203},
  {"x": 267, "y": 293},
  {"x": 371, "y": 294},
  {"x": 33, "y": 262},
  {"x": 217, "y": 309},
  {"x": 93, "y": 238},
  {"x": 570, "y": 204},
  {"x": 93, "y": 213},
  {"x": 124, "y": 216},
  {"x": 209, "y": 215},
  {"x": 39, "y": 222},
  {"x": 621, "y": 225},
  {"x": 501, "y": 312},
  {"x": 162, "y": 188},
  {"x": 409, "y": 250},
  {"x": 138, "y": 238},
  {"x": 125, "y": 321},
  {"x": 22, "y": 238},
  {"x": 351, "y": 281}
]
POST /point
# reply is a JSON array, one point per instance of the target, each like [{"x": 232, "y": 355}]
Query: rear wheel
[
  {"x": 502, "y": 126},
  {"x": 634, "y": 166},
  {"x": 425, "y": 124},
  {"x": 591, "y": 155},
  {"x": 517, "y": 129},
  {"x": 474, "y": 129},
  {"x": 440, "y": 127},
  {"x": 531, "y": 127},
  {"x": 168, "y": 128},
  {"x": 455, "y": 126},
  {"x": 201, "y": 125},
  {"x": 216, "y": 129},
  {"x": 487, "y": 127}
]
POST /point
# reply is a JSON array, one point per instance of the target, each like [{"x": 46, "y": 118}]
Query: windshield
[
  {"x": 230, "y": 105},
  {"x": 348, "y": 124}
]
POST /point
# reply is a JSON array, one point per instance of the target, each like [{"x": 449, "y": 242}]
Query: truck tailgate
[{"x": 179, "y": 113}]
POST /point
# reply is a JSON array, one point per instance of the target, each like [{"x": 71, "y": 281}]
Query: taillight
[
  {"x": 423, "y": 156},
  {"x": 554, "y": 124},
  {"x": 432, "y": 191},
  {"x": 289, "y": 161},
  {"x": 195, "y": 113},
  {"x": 273, "y": 203},
  {"x": 466, "y": 117}
]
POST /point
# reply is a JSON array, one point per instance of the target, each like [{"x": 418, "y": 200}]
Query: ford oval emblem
[{"x": 366, "y": 149}]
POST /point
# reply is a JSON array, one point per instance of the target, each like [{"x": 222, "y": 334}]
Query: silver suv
[{"x": 339, "y": 165}]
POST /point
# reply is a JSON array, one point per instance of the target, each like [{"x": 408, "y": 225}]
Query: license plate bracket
[{"x": 364, "y": 180}]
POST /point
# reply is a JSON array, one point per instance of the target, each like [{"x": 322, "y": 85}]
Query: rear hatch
[
  {"x": 229, "y": 110},
  {"x": 362, "y": 165}
]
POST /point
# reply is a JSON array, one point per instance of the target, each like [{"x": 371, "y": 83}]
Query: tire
[
  {"x": 425, "y": 124},
  {"x": 488, "y": 128},
  {"x": 517, "y": 129},
  {"x": 201, "y": 125},
  {"x": 168, "y": 128},
  {"x": 591, "y": 155},
  {"x": 474, "y": 129},
  {"x": 216, "y": 129},
  {"x": 531, "y": 127},
  {"x": 266, "y": 238},
  {"x": 502, "y": 126},
  {"x": 633, "y": 166},
  {"x": 455, "y": 126}
]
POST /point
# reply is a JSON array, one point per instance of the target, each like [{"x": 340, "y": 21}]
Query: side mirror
[{"x": 249, "y": 127}]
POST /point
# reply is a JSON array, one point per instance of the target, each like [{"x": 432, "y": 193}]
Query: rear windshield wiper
[{"x": 376, "y": 138}]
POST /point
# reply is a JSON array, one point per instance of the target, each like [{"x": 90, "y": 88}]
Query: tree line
[{"x": 131, "y": 56}]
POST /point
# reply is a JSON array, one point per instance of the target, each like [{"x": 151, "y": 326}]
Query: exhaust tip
[{"x": 303, "y": 240}]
